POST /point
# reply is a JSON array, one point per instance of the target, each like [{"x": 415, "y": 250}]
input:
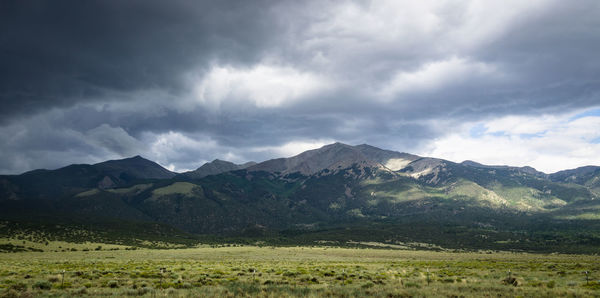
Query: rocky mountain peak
[{"x": 336, "y": 156}]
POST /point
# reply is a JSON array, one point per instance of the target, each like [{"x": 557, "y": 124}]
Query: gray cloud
[
  {"x": 184, "y": 82},
  {"x": 60, "y": 53}
]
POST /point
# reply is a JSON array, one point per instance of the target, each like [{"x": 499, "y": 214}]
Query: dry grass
[{"x": 298, "y": 271}]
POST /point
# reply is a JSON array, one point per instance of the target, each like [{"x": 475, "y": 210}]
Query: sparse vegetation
[
  {"x": 295, "y": 271},
  {"x": 434, "y": 228}
]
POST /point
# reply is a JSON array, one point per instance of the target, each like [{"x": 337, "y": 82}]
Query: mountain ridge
[
  {"x": 384, "y": 157},
  {"x": 329, "y": 157},
  {"x": 215, "y": 167},
  {"x": 335, "y": 186}
]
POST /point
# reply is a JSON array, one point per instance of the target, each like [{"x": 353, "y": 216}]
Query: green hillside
[{"x": 431, "y": 201}]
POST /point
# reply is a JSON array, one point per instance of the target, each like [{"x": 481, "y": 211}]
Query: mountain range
[{"x": 338, "y": 193}]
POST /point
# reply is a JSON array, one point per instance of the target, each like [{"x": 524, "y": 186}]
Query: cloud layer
[{"x": 185, "y": 82}]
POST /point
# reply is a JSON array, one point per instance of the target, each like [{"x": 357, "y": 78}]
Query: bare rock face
[
  {"x": 426, "y": 167},
  {"x": 334, "y": 157},
  {"x": 390, "y": 159},
  {"x": 331, "y": 157}
]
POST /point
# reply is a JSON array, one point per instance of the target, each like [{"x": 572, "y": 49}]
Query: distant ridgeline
[{"x": 338, "y": 194}]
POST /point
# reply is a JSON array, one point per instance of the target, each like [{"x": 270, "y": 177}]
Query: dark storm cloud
[
  {"x": 551, "y": 55},
  {"x": 184, "y": 82},
  {"x": 56, "y": 53}
]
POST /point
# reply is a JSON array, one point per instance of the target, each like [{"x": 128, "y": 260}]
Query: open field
[{"x": 297, "y": 271}]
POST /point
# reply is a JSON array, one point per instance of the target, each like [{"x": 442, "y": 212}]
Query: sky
[{"x": 185, "y": 82}]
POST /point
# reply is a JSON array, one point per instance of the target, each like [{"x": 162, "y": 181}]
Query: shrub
[
  {"x": 412, "y": 285},
  {"x": 42, "y": 285},
  {"x": 11, "y": 293},
  {"x": 367, "y": 285},
  {"x": 592, "y": 285},
  {"x": 64, "y": 285},
  {"x": 19, "y": 286},
  {"x": 132, "y": 292},
  {"x": 145, "y": 290},
  {"x": 80, "y": 291},
  {"x": 510, "y": 281},
  {"x": 54, "y": 278}
]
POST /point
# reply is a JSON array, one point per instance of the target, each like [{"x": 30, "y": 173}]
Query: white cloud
[
  {"x": 405, "y": 20},
  {"x": 436, "y": 75},
  {"x": 174, "y": 150},
  {"x": 525, "y": 125},
  {"x": 480, "y": 22},
  {"x": 383, "y": 31},
  {"x": 380, "y": 21},
  {"x": 264, "y": 86},
  {"x": 547, "y": 143},
  {"x": 113, "y": 139},
  {"x": 170, "y": 148}
]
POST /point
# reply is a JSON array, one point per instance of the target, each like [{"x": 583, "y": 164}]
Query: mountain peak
[
  {"x": 135, "y": 166},
  {"x": 338, "y": 144},
  {"x": 136, "y": 158},
  {"x": 215, "y": 167},
  {"x": 219, "y": 161},
  {"x": 335, "y": 156},
  {"x": 334, "y": 146}
]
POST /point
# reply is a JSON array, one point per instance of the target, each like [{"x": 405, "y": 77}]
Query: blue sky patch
[
  {"x": 588, "y": 113},
  {"x": 477, "y": 131},
  {"x": 528, "y": 136},
  {"x": 499, "y": 133}
]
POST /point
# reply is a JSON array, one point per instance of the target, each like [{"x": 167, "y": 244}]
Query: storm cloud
[{"x": 185, "y": 82}]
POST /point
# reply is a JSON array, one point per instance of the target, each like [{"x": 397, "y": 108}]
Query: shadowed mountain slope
[
  {"x": 134, "y": 167},
  {"x": 69, "y": 180},
  {"x": 215, "y": 167},
  {"x": 387, "y": 195}
]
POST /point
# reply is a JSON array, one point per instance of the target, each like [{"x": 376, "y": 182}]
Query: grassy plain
[{"x": 294, "y": 271}]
